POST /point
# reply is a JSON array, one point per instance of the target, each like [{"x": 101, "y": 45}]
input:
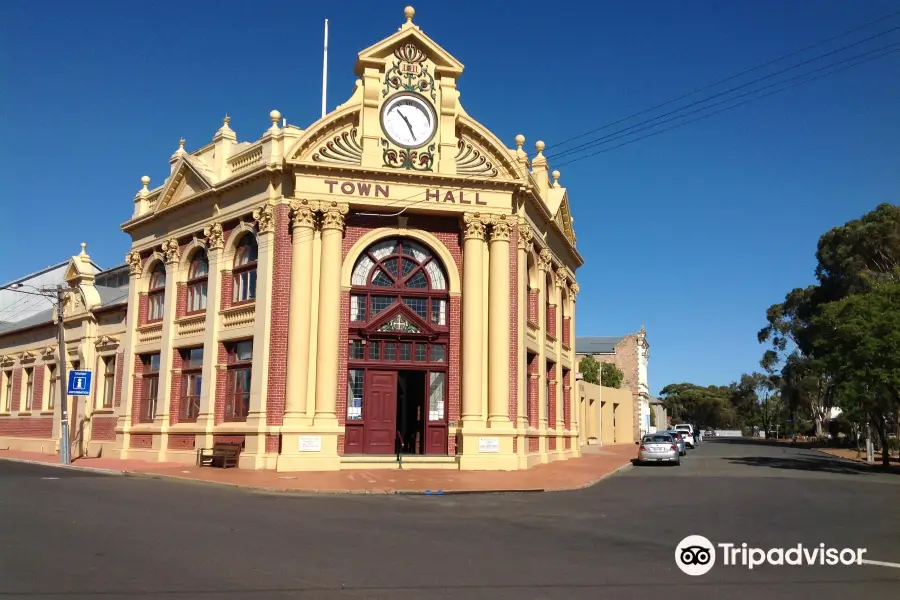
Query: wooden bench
[{"x": 222, "y": 454}]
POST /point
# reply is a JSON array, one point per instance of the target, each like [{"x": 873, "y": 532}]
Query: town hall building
[{"x": 391, "y": 280}]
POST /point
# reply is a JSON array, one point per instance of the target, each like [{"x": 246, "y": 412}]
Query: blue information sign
[{"x": 79, "y": 383}]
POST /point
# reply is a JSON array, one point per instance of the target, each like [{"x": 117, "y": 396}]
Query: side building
[
  {"x": 94, "y": 324},
  {"x": 392, "y": 279},
  {"x": 631, "y": 354}
]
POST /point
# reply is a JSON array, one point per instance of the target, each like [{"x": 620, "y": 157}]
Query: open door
[{"x": 381, "y": 412}]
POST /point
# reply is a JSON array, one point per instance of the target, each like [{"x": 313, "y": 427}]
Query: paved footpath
[{"x": 581, "y": 472}]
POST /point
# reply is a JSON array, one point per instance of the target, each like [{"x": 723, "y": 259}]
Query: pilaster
[
  {"x": 524, "y": 247},
  {"x": 543, "y": 295},
  {"x": 206, "y": 418},
  {"x": 255, "y": 450},
  {"x": 123, "y": 424},
  {"x": 164, "y": 399}
]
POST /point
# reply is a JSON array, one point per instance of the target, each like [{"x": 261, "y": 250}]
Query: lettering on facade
[{"x": 377, "y": 190}]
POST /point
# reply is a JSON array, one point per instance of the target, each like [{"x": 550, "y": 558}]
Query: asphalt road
[{"x": 65, "y": 534}]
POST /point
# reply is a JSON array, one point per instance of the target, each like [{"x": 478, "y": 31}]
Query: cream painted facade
[
  {"x": 94, "y": 324},
  {"x": 332, "y": 296}
]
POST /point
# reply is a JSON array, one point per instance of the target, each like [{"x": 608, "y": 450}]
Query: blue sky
[{"x": 693, "y": 233}]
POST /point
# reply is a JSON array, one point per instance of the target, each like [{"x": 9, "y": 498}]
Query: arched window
[
  {"x": 399, "y": 271},
  {"x": 245, "y": 256},
  {"x": 156, "y": 294},
  {"x": 198, "y": 280}
]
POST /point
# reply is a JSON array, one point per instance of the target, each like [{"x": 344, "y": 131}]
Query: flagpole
[{"x": 325, "y": 70}]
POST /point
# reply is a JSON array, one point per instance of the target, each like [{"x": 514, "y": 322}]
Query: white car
[{"x": 687, "y": 432}]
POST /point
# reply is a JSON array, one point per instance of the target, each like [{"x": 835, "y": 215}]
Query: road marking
[
  {"x": 49, "y": 477},
  {"x": 880, "y": 563}
]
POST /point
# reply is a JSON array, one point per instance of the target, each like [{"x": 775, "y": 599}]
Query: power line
[
  {"x": 592, "y": 143},
  {"x": 574, "y": 160},
  {"x": 721, "y": 81}
]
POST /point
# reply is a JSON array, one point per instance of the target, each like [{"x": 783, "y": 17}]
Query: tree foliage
[
  {"x": 611, "y": 375},
  {"x": 590, "y": 369}
]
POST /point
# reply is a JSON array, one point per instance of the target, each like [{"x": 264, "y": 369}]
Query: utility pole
[{"x": 64, "y": 449}]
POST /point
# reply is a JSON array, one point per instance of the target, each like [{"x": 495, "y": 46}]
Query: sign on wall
[{"x": 489, "y": 444}]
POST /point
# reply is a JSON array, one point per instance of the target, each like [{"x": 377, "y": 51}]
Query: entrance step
[{"x": 417, "y": 461}]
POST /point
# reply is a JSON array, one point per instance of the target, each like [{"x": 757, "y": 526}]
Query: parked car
[
  {"x": 678, "y": 438},
  {"x": 658, "y": 447},
  {"x": 688, "y": 433}
]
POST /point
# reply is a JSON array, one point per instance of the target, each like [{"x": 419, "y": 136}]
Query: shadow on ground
[{"x": 822, "y": 463}]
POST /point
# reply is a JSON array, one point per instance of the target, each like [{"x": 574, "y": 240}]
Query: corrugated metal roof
[
  {"x": 45, "y": 316},
  {"x": 112, "y": 296},
  {"x": 597, "y": 345}
]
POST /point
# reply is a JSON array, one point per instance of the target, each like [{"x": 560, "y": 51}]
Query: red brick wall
[
  {"x": 551, "y": 443},
  {"x": 568, "y": 443},
  {"x": 221, "y": 385},
  {"x": 447, "y": 231},
  {"x": 340, "y": 444},
  {"x": 143, "y": 308},
  {"x": 551, "y": 321},
  {"x": 37, "y": 427},
  {"x": 182, "y": 441},
  {"x": 175, "y": 388},
  {"x": 533, "y": 297},
  {"x": 567, "y": 331},
  {"x": 180, "y": 300},
  {"x": 117, "y": 397},
  {"x": 533, "y": 390},
  {"x": 278, "y": 327},
  {"x": 141, "y": 440},
  {"x": 103, "y": 428},
  {"x": 567, "y": 398},
  {"x": 37, "y": 393},
  {"x": 273, "y": 443},
  {"x": 136, "y": 399},
  {"x": 513, "y": 324},
  {"x": 227, "y": 288},
  {"x": 16, "y": 389},
  {"x": 229, "y": 439},
  {"x": 551, "y": 396}
]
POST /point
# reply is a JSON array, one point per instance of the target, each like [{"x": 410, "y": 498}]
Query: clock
[{"x": 408, "y": 120}]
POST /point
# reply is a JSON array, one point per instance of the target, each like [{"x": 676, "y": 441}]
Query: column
[
  {"x": 329, "y": 314},
  {"x": 172, "y": 251},
  {"x": 206, "y": 420},
  {"x": 498, "y": 321},
  {"x": 299, "y": 318},
  {"x": 472, "y": 356},
  {"x": 559, "y": 281},
  {"x": 544, "y": 259},
  {"x": 524, "y": 247},
  {"x": 578, "y": 424},
  {"x": 123, "y": 425}
]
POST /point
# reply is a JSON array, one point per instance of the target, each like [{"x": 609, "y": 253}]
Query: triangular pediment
[
  {"x": 481, "y": 154},
  {"x": 399, "y": 320},
  {"x": 337, "y": 141},
  {"x": 185, "y": 181},
  {"x": 564, "y": 218},
  {"x": 377, "y": 54}
]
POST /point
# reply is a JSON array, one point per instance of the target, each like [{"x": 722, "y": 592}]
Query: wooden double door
[{"x": 397, "y": 415}]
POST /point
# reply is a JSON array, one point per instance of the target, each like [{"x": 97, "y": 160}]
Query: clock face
[{"x": 409, "y": 121}]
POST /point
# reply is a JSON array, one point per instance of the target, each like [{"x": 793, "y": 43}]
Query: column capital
[
  {"x": 172, "y": 250},
  {"x": 265, "y": 218},
  {"x": 333, "y": 215},
  {"x": 304, "y": 213},
  {"x": 526, "y": 233},
  {"x": 500, "y": 226},
  {"x": 133, "y": 260},
  {"x": 474, "y": 225},
  {"x": 545, "y": 259},
  {"x": 562, "y": 278},
  {"x": 215, "y": 236},
  {"x": 574, "y": 288}
]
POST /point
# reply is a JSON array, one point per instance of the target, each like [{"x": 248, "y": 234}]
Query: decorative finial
[
  {"x": 409, "y": 12},
  {"x": 643, "y": 331},
  {"x": 539, "y": 146},
  {"x": 555, "y": 175},
  {"x": 275, "y": 117},
  {"x": 146, "y": 181},
  {"x": 227, "y": 119},
  {"x": 181, "y": 143},
  {"x": 83, "y": 249},
  {"x": 520, "y": 140}
]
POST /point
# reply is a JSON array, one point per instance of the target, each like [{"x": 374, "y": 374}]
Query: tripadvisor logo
[{"x": 696, "y": 555}]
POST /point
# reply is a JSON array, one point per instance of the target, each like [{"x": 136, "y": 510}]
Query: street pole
[{"x": 64, "y": 449}]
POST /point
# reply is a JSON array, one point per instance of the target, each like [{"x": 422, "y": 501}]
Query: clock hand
[{"x": 402, "y": 116}]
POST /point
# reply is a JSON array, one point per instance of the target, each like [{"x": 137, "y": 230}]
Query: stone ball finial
[
  {"x": 181, "y": 143},
  {"x": 274, "y": 116},
  {"x": 520, "y": 140},
  {"x": 409, "y": 12},
  {"x": 83, "y": 247},
  {"x": 539, "y": 146},
  {"x": 145, "y": 180},
  {"x": 555, "y": 175},
  {"x": 226, "y": 120}
]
